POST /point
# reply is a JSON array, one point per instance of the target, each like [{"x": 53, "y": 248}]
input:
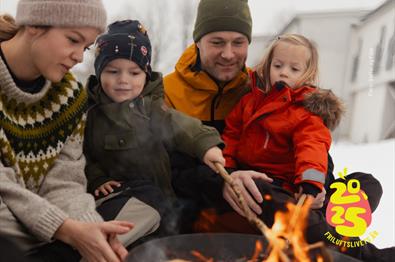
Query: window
[
  {"x": 379, "y": 52},
  {"x": 391, "y": 52},
  {"x": 355, "y": 62}
]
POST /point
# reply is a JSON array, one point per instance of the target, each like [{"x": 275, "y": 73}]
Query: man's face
[{"x": 223, "y": 54}]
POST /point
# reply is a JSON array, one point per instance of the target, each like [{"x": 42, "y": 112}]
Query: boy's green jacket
[{"x": 132, "y": 139}]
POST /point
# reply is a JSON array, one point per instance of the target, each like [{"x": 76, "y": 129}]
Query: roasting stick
[
  {"x": 251, "y": 217},
  {"x": 296, "y": 213}
]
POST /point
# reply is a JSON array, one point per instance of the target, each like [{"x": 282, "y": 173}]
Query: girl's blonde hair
[
  {"x": 8, "y": 28},
  {"x": 310, "y": 77}
]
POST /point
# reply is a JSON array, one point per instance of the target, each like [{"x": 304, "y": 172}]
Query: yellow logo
[{"x": 348, "y": 210}]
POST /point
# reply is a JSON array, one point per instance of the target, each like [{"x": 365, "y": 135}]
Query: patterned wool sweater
[{"x": 42, "y": 179}]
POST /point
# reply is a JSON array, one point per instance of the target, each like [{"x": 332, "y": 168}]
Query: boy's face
[{"x": 122, "y": 80}]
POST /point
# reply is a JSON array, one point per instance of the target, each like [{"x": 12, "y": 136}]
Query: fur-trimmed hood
[{"x": 325, "y": 104}]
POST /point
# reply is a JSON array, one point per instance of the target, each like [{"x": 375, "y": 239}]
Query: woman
[{"x": 42, "y": 181}]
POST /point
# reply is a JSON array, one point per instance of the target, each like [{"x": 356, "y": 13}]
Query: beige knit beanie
[{"x": 62, "y": 13}]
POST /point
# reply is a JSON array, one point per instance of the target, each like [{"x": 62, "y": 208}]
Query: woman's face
[{"x": 56, "y": 50}]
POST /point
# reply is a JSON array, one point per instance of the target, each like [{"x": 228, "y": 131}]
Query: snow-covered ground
[{"x": 379, "y": 160}]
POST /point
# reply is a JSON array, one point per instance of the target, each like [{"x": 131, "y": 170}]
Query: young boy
[{"x": 130, "y": 131}]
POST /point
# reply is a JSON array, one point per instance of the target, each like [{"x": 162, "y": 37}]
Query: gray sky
[{"x": 266, "y": 14}]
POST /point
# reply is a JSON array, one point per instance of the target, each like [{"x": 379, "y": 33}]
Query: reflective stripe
[{"x": 313, "y": 175}]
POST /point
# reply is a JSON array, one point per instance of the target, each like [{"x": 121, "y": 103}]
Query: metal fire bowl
[{"x": 220, "y": 246}]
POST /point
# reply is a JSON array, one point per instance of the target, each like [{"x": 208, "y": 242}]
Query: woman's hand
[
  {"x": 106, "y": 188},
  {"x": 244, "y": 180},
  {"x": 213, "y": 155},
  {"x": 95, "y": 242}
]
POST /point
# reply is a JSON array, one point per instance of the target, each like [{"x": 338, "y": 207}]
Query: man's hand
[{"x": 244, "y": 180}]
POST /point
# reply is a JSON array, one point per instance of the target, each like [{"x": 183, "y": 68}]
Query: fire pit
[{"x": 217, "y": 247}]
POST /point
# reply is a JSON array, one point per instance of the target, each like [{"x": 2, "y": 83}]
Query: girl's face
[
  {"x": 289, "y": 63},
  {"x": 122, "y": 80},
  {"x": 56, "y": 50}
]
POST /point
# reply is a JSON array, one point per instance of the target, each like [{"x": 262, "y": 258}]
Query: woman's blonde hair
[
  {"x": 8, "y": 28},
  {"x": 310, "y": 77}
]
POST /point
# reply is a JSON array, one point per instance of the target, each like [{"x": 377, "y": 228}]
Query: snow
[{"x": 377, "y": 159}]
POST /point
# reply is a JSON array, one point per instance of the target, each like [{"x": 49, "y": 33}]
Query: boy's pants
[{"x": 145, "y": 218}]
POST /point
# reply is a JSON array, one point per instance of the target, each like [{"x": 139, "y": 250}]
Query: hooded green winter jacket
[{"x": 131, "y": 140}]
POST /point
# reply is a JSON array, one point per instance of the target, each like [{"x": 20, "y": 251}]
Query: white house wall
[
  {"x": 373, "y": 109},
  {"x": 332, "y": 33},
  {"x": 257, "y": 49},
  {"x": 366, "y": 121}
]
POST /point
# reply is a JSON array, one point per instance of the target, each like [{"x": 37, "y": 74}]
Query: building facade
[
  {"x": 369, "y": 82},
  {"x": 356, "y": 50}
]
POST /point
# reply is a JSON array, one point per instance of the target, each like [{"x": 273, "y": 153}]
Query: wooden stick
[
  {"x": 314, "y": 246},
  {"x": 296, "y": 213},
  {"x": 266, "y": 232}
]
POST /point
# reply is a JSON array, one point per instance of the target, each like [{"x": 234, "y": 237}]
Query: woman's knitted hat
[
  {"x": 222, "y": 15},
  {"x": 62, "y": 13},
  {"x": 126, "y": 39}
]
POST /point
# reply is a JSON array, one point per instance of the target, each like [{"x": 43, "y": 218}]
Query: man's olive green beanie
[{"x": 222, "y": 15}]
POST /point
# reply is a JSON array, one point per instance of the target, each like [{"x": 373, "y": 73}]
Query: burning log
[
  {"x": 286, "y": 243},
  {"x": 285, "y": 240}
]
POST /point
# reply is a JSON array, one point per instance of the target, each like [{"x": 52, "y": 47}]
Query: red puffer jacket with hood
[{"x": 283, "y": 133}]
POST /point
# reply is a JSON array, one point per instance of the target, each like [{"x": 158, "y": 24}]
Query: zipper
[
  {"x": 266, "y": 140},
  {"x": 214, "y": 104}
]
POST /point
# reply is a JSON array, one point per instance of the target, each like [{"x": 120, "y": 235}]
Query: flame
[
  {"x": 207, "y": 219},
  {"x": 257, "y": 251},
  {"x": 286, "y": 237},
  {"x": 201, "y": 257},
  {"x": 267, "y": 197},
  {"x": 287, "y": 234}
]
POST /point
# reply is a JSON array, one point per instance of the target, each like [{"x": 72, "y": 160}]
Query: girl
[
  {"x": 272, "y": 132},
  {"x": 42, "y": 182},
  {"x": 281, "y": 128}
]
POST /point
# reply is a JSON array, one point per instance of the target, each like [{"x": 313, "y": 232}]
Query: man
[
  {"x": 211, "y": 76},
  {"x": 208, "y": 81}
]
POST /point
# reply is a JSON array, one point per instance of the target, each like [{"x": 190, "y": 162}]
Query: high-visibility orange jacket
[{"x": 195, "y": 93}]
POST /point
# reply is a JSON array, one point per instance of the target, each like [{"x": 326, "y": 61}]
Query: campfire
[
  {"x": 286, "y": 237},
  {"x": 284, "y": 242}
]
